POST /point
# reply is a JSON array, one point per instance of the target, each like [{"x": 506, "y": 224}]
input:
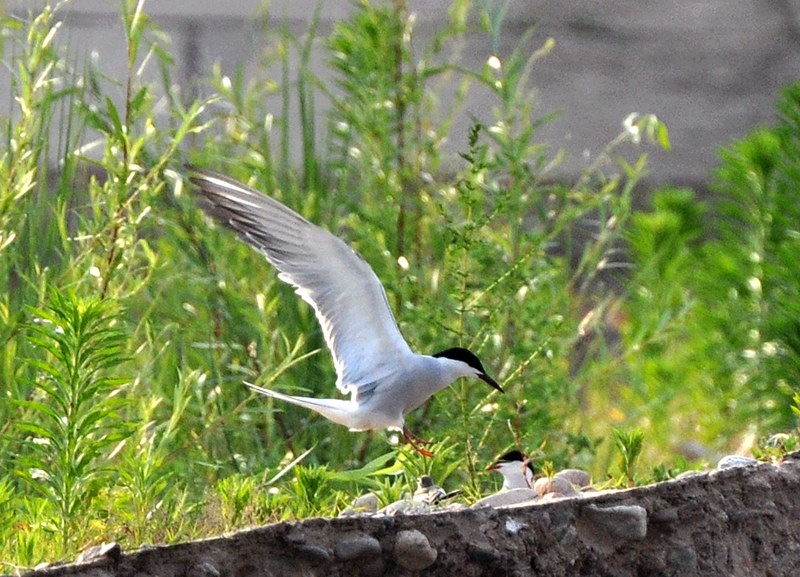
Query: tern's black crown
[
  {"x": 511, "y": 457},
  {"x": 463, "y": 355},
  {"x": 469, "y": 359}
]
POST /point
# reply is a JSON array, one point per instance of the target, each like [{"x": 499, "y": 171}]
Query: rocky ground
[{"x": 740, "y": 521}]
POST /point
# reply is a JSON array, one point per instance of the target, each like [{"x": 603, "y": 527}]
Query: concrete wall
[{"x": 711, "y": 69}]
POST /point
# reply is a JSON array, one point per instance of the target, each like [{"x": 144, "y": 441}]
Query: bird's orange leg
[{"x": 415, "y": 441}]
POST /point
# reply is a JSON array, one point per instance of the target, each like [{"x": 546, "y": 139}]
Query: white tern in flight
[{"x": 385, "y": 379}]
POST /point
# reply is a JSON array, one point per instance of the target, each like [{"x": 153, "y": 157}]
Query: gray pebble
[
  {"x": 357, "y": 548},
  {"x": 366, "y": 503},
  {"x": 577, "y": 477},
  {"x": 413, "y": 551},
  {"x": 111, "y": 551},
  {"x": 313, "y": 553},
  {"x": 729, "y": 461},
  {"x": 621, "y": 521},
  {"x": 560, "y": 485}
]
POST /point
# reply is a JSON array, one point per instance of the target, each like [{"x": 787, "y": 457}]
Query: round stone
[
  {"x": 357, "y": 548},
  {"x": 729, "y": 461},
  {"x": 578, "y": 477},
  {"x": 413, "y": 551},
  {"x": 625, "y": 522},
  {"x": 560, "y": 485},
  {"x": 366, "y": 503}
]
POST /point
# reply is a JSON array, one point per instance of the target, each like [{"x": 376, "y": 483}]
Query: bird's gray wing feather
[{"x": 349, "y": 300}]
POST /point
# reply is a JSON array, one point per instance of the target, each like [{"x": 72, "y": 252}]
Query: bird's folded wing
[{"x": 347, "y": 296}]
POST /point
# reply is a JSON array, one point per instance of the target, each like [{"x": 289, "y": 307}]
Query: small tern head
[
  {"x": 428, "y": 491},
  {"x": 425, "y": 482},
  {"x": 431, "y": 493},
  {"x": 516, "y": 469},
  {"x": 468, "y": 358}
]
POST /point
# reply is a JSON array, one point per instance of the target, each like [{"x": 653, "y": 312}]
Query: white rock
[
  {"x": 513, "y": 526},
  {"x": 559, "y": 485},
  {"x": 106, "y": 550},
  {"x": 624, "y": 522},
  {"x": 578, "y": 477},
  {"x": 729, "y": 461},
  {"x": 413, "y": 551},
  {"x": 366, "y": 503}
]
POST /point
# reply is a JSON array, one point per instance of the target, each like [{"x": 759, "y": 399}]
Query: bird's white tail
[{"x": 336, "y": 410}]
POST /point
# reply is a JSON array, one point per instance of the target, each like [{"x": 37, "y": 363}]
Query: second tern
[{"x": 516, "y": 469}]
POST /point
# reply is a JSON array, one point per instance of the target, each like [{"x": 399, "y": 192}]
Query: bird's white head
[{"x": 516, "y": 469}]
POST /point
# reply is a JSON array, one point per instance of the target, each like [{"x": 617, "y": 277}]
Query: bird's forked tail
[{"x": 337, "y": 410}]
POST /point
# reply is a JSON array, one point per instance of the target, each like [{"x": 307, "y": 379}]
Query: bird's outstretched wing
[{"x": 347, "y": 296}]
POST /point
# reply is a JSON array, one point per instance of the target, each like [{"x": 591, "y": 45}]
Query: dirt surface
[{"x": 736, "y": 522}]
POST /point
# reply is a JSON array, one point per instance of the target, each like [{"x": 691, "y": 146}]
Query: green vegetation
[
  {"x": 629, "y": 446},
  {"x": 128, "y": 323}
]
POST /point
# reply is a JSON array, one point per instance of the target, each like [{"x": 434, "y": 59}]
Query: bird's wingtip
[{"x": 257, "y": 389}]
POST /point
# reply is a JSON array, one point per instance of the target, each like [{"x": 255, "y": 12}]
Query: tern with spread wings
[{"x": 374, "y": 365}]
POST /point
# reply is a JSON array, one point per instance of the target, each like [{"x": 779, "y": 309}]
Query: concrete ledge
[{"x": 735, "y": 522}]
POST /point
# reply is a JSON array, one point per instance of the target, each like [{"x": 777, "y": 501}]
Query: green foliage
[
  {"x": 70, "y": 287},
  {"x": 656, "y": 365},
  {"x": 128, "y": 324},
  {"x": 777, "y": 446},
  {"x": 70, "y": 419},
  {"x": 796, "y": 406},
  {"x": 708, "y": 322},
  {"x": 629, "y": 446},
  {"x": 750, "y": 276}
]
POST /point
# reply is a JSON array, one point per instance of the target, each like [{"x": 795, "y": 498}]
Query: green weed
[
  {"x": 70, "y": 421},
  {"x": 629, "y": 447}
]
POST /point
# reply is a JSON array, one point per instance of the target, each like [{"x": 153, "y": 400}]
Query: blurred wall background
[{"x": 710, "y": 69}]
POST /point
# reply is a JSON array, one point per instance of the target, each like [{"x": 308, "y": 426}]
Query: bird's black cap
[
  {"x": 468, "y": 357},
  {"x": 511, "y": 457}
]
